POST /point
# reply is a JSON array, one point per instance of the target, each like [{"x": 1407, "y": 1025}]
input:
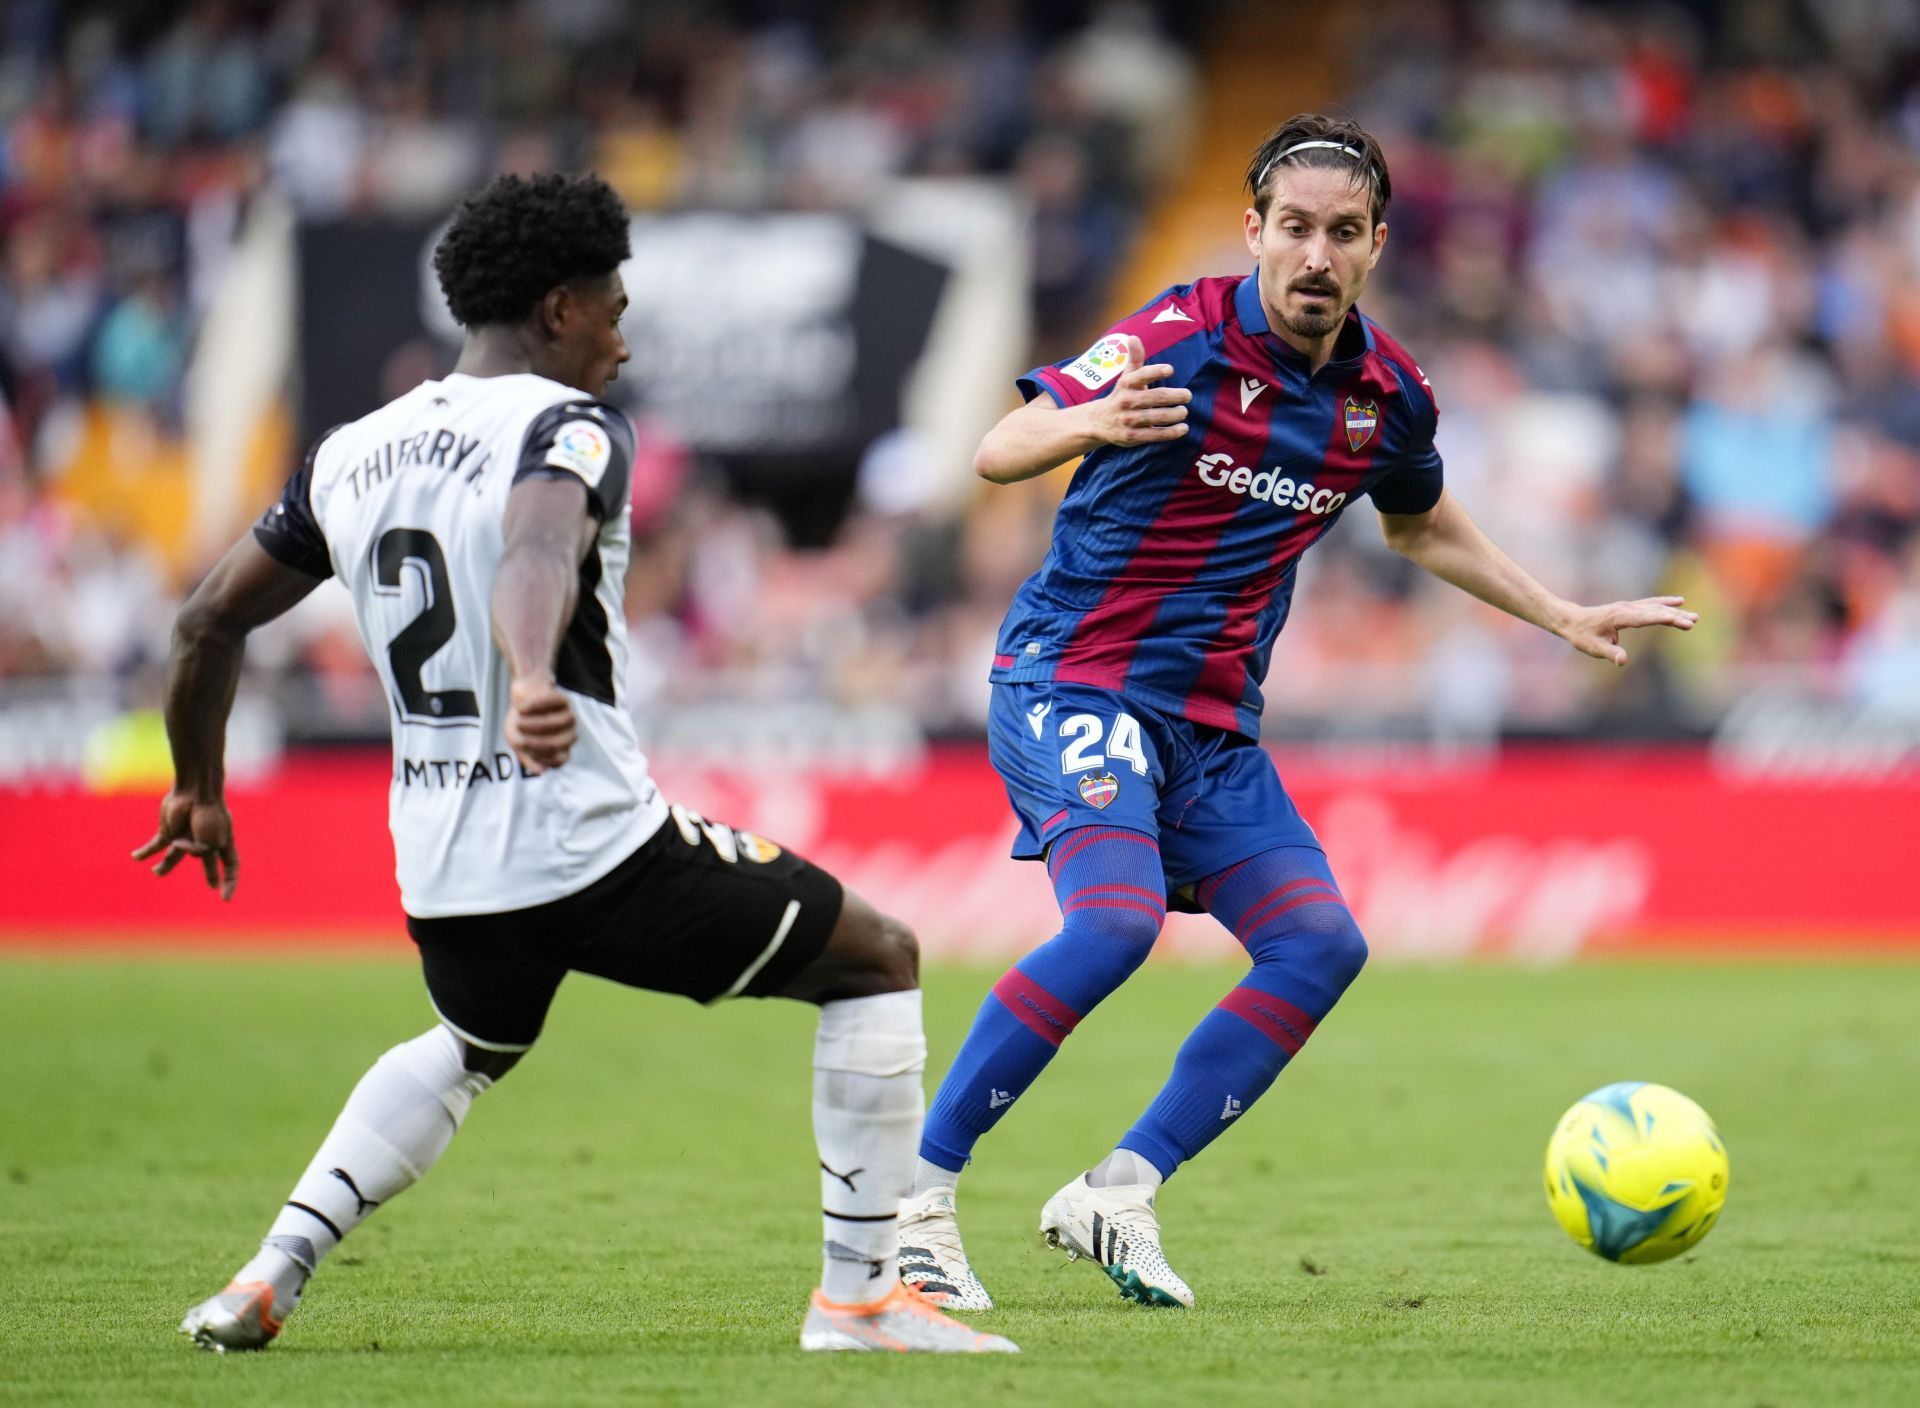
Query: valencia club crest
[{"x": 1363, "y": 418}]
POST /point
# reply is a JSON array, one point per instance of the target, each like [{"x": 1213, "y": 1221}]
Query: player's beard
[{"x": 1315, "y": 325}]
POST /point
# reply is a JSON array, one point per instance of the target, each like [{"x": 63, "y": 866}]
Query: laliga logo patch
[
  {"x": 1100, "y": 362},
  {"x": 1099, "y": 788},
  {"x": 582, "y": 447},
  {"x": 1363, "y": 418}
]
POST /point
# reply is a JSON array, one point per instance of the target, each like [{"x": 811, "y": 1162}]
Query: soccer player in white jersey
[{"x": 480, "y": 523}]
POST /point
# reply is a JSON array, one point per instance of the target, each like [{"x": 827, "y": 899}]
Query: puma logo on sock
[
  {"x": 366, "y": 1204},
  {"x": 846, "y": 1178}
]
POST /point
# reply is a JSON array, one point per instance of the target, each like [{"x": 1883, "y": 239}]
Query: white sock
[
  {"x": 1123, "y": 1167},
  {"x": 279, "y": 1264},
  {"x": 399, "y": 1119},
  {"x": 867, "y": 1108},
  {"x": 928, "y": 1176}
]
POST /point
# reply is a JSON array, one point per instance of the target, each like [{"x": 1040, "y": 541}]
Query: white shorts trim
[
  {"x": 472, "y": 1040},
  {"x": 752, "y": 970}
]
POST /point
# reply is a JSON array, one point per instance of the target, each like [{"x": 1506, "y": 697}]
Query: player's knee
[
  {"x": 868, "y": 954},
  {"x": 896, "y": 955},
  {"x": 492, "y": 1064},
  {"x": 1323, "y": 939},
  {"x": 441, "y": 1063},
  {"x": 1343, "y": 950},
  {"x": 884, "y": 957},
  {"x": 1132, "y": 929}
]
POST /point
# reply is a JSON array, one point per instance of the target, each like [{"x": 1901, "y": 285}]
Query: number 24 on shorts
[{"x": 1086, "y": 731}]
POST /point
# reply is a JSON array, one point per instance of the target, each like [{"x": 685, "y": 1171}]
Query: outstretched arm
[
  {"x": 548, "y": 534},
  {"x": 1449, "y": 544},
  {"x": 246, "y": 589},
  {"x": 1041, "y": 436}
]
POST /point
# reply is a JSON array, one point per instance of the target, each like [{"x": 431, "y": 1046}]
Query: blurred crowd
[
  {"x": 1661, "y": 263},
  {"x": 135, "y": 136}
]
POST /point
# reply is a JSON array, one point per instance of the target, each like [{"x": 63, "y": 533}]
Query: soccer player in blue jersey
[{"x": 1224, "y": 427}]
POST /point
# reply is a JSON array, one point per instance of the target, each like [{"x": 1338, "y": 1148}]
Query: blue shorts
[{"x": 1073, "y": 755}]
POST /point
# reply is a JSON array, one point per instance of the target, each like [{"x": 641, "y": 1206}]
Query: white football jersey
[{"x": 406, "y": 506}]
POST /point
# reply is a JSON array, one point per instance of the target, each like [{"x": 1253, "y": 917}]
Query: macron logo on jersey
[{"x": 1221, "y": 472}]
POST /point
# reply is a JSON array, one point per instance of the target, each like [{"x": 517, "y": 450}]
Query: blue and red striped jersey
[{"x": 1172, "y": 564}]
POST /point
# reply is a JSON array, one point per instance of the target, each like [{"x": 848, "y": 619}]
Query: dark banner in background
[{"x": 777, "y": 345}]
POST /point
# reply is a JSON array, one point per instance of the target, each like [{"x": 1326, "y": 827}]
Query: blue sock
[
  {"x": 1283, "y": 906},
  {"x": 1112, "y": 895}
]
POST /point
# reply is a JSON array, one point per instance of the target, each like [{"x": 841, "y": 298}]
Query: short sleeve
[
  {"x": 1169, "y": 317},
  {"x": 288, "y": 530},
  {"x": 1415, "y": 481},
  {"x": 586, "y": 440}
]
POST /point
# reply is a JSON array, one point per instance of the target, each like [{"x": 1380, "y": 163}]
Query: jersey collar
[{"x": 1350, "y": 350}]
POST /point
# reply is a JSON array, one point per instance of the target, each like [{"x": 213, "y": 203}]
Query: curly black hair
[{"x": 520, "y": 237}]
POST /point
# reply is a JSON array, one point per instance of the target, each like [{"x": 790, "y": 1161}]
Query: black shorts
[{"x": 700, "y": 910}]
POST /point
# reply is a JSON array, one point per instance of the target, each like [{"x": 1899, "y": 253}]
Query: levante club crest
[
  {"x": 1099, "y": 788},
  {"x": 1363, "y": 418}
]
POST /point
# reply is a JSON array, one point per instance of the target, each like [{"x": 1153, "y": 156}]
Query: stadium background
[{"x": 1662, "y": 264}]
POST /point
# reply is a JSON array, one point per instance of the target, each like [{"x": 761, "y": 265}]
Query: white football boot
[
  {"x": 1115, "y": 1228},
  {"x": 905, "y": 1322},
  {"x": 932, "y": 1260},
  {"x": 239, "y": 1317}
]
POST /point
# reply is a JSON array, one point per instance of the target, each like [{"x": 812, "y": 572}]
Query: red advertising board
[{"x": 1531, "y": 854}]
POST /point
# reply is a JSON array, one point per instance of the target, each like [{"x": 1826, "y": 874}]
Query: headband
[{"x": 1357, "y": 155}]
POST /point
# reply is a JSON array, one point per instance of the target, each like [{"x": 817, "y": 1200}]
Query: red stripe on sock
[
  {"x": 1115, "y": 887},
  {"x": 1288, "y": 889},
  {"x": 1279, "y": 1021},
  {"x": 1155, "y": 911},
  {"x": 1044, "y": 1014},
  {"x": 1277, "y": 904},
  {"x": 1077, "y": 841},
  {"x": 1210, "y": 886}
]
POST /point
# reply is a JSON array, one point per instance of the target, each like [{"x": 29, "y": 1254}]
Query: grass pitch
[{"x": 630, "y": 1216}]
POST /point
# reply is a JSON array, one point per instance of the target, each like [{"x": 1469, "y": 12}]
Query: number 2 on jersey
[
  {"x": 426, "y": 633},
  {"x": 1086, "y": 731}
]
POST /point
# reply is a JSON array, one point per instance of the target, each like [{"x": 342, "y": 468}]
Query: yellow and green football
[{"x": 1636, "y": 1172}]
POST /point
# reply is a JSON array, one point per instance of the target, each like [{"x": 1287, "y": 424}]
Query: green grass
[{"x": 630, "y": 1216}]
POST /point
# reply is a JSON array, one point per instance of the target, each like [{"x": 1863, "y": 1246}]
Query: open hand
[
  {"x": 1136, "y": 412},
  {"x": 192, "y": 826},
  {"x": 540, "y": 723},
  {"x": 1595, "y": 630}
]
